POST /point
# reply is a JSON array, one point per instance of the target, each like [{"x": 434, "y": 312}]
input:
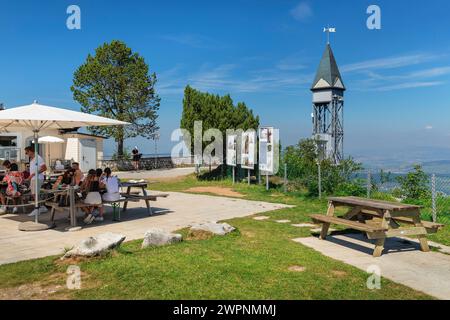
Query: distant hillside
[{"x": 400, "y": 160}]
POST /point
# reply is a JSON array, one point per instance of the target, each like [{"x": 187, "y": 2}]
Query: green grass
[{"x": 250, "y": 263}]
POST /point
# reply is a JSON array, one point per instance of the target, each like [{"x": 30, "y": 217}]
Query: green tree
[
  {"x": 116, "y": 82},
  {"x": 215, "y": 112},
  {"x": 414, "y": 185},
  {"x": 302, "y": 164}
]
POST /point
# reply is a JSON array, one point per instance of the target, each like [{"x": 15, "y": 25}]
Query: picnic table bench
[
  {"x": 378, "y": 219},
  {"x": 125, "y": 197}
]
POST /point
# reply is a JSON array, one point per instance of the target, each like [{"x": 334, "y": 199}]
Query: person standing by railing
[{"x": 136, "y": 158}]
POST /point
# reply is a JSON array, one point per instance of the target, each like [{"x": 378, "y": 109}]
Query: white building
[{"x": 83, "y": 148}]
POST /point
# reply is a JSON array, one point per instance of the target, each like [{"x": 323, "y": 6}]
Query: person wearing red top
[{"x": 14, "y": 179}]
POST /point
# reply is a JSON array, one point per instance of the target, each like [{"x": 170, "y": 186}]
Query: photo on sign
[
  {"x": 266, "y": 148},
  {"x": 248, "y": 150},
  {"x": 231, "y": 150},
  {"x": 266, "y": 135}
]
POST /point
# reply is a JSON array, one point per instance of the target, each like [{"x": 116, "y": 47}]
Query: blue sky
[{"x": 262, "y": 52}]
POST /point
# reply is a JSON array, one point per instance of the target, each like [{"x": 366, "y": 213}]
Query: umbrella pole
[{"x": 36, "y": 176}]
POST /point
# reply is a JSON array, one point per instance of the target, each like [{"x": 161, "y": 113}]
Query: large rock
[
  {"x": 215, "y": 228},
  {"x": 94, "y": 246},
  {"x": 159, "y": 237}
]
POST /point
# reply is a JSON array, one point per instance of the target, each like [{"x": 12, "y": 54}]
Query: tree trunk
[
  {"x": 119, "y": 140},
  {"x": 120, "y": 148}
]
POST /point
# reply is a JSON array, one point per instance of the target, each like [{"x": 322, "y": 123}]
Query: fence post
[
  {"x": 369, "y": 183},
  {"x": 319, "y": 171},
  {"x": 433, "y": 197},
  {"x": 285, "y": 178}
]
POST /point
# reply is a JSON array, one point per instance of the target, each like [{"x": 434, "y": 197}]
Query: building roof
[
  {"x": 83, "y": 134},
  {"x": 328, "y": 75}
]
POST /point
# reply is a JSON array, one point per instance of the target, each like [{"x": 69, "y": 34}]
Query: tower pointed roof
[{"x": 328, "y": 75}]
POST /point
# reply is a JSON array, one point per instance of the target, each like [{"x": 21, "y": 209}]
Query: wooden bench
[
  {"x": 320, "y": 218},
  {"x": 431, "y": 227},
  {"x": 145, "y": 197},
  {"x": 378, "y": 219}
]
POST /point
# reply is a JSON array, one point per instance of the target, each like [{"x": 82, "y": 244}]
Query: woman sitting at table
[
  {"x": 91, "y": 186},
  {"x": 112, "y": 186},
  {"x": 66, "y": 179},
  {"x": 14, "y": 179}
]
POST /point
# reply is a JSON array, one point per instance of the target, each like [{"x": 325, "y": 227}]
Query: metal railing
[{"x": 436, "y": 201}]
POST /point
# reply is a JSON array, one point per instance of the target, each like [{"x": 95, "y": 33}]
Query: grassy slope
[{"x": 251, "y": 263}]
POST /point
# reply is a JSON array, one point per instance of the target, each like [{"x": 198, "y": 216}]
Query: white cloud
[
  {"x": 232, "y": 78},
  {"x": 428, "y": 127},
  {"x": 389, "y": 63},
  {"x": 302, "y": 12},
  {"x": 409, "y": 85}
]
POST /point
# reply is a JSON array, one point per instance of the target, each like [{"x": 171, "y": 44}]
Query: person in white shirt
[{"x": 36, "y": 177}]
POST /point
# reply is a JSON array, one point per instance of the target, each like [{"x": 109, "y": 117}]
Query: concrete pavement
[{"x": 177, "y": 211}]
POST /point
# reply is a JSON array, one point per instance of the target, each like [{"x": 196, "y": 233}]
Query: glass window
[{"x": 8, "y": 141}]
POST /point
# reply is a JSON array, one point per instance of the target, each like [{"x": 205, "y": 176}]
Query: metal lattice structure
[{"x": 328, "y": 108}]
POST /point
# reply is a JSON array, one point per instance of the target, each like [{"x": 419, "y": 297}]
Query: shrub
[
  {"x": 414, "y": 186},
  {"x": 302, "y": 166}
]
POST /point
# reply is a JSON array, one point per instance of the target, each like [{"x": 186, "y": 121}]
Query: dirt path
[{"x": 220, "y": 191}]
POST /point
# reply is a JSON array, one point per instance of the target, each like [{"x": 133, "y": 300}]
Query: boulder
[
  {"x": 215, "y": 228},
  {"x": 159, "y": 237},
  {"x": 94, "y": 246}
]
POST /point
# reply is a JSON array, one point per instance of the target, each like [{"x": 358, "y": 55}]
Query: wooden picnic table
[
  {"x": 378, "y": 219},
  {"x": 128, "y": 195}
]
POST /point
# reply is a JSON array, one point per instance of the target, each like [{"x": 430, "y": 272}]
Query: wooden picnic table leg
[
  {"x": 379, "y": 244},
  {"x": 147, "y": 202},
  {"x": 326, "y": 225},
  {"x": 125, "y": 204},
  {"x": 422, "y": 238}
]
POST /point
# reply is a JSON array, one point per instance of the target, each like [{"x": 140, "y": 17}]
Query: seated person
[
  {"x": 112, "y": 185},
  {"x": 6, "y": 165},
  {"x": 91, "y": 186},
  {"x": 26, "y": 172},
  {"x": 14, "y": 179},
  {"x": 78, "y": 175},
  {"x": 66, "y": 179}
]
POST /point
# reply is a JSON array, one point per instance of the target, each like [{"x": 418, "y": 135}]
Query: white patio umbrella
[
  {"x": 37, "y": 117},
  {"x": 47, "y": 140}
]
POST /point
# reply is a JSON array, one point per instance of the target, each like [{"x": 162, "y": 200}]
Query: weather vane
[{"x": 329, "y": 30}]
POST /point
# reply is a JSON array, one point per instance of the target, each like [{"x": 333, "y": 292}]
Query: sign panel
[
  {"x": 268, "y": 141},
  {"x": 248, "y": 150},
  {"x": 231, "y": 150}
]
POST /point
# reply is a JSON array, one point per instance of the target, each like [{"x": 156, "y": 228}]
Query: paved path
[
  {"x": 176, "y": 211},
  {"x": 155, "y": 174},
  {"x": 403, "y": 263}
]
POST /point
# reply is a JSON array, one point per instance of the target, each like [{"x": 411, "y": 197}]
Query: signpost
[
  {"x": 248, "y": 147},
  {"x": 268, "y": 141},
  {"x": 231, "y": 153}
]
